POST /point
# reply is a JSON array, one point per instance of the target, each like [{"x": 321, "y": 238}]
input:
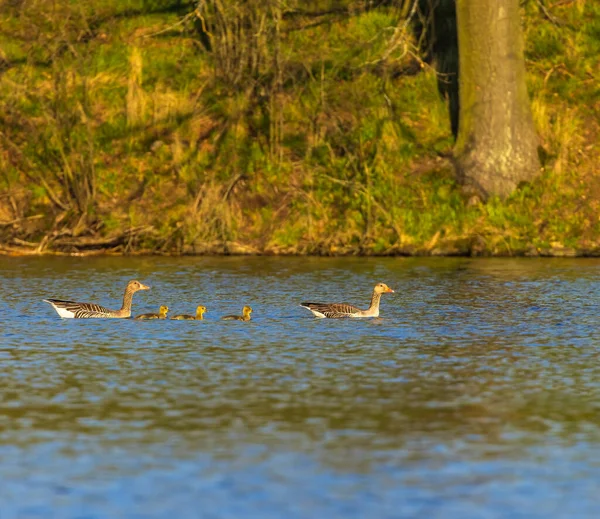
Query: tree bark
[
  {"x": 435, "y": 30},
  {"x": 496, "y": 148}
]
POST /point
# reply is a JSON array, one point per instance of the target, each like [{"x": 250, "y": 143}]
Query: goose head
[
  {"x": 382, "y": 288},
  {"x": 134, "y": 286}
]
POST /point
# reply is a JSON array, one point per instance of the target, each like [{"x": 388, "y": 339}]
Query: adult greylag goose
[
  {"x": 75, "y": 310},
  {"x": 245, "y": 317},
  {"x": 162, "y": 314},
  {"x": 338, "y": 310},
  {"x": 186, "y": 317}
]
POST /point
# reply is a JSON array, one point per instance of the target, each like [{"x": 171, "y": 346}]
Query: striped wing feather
[
  {"x": 81, "y": 310},
  {"x": 333, "y": 310}
]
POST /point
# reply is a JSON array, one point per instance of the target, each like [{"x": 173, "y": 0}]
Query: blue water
[{"x": 476, "y": 394}]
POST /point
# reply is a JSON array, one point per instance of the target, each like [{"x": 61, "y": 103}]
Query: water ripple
[{"x": 476, "y": 394}]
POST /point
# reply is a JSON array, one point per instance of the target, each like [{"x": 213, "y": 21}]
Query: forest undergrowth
[{"x": 271, "y": 127}]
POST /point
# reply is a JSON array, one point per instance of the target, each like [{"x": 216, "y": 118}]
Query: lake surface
[{"x": 476, "y": 394}]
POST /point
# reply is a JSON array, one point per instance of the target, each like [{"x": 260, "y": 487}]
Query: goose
[
  {"x": 338, "y": 310},
  {"x": 75, "y": 310},
  {"x": 246, "y": 317},
  {"x": 162, "y": 314},
  {"x": 185, "y": 317}
]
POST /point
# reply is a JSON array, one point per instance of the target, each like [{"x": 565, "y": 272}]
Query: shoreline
[{"x": 237, "y": 249}]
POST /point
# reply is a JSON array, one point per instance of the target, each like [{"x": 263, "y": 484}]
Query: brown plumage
[
  {"x": 339, "y": 310},
  {"x": 76, "y": 310}
]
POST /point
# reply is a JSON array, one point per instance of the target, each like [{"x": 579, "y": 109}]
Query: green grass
[{"x": 338, "y": 158}]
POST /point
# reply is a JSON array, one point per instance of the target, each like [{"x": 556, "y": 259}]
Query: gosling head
[
  {"x": 247, "y": 311},
  {"x": 134, "y": 286},
  {"x": 200, "y": 311},
  {"x": 162, "y": 311},
  {"x": 382, "y": 288}
]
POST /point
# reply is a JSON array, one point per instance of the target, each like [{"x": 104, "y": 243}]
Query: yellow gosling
[
  {"x": 245, "y": 317},
  {"x": 200, "y": 311},
  {"x": 162, "y": 314}
]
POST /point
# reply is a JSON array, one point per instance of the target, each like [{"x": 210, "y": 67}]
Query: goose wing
[
  {"x": 331, "y": 310},
  {"x": 75, "y": 310},
  {"x": 143, "y": 317},
  {"x": 232, "y": 318}
]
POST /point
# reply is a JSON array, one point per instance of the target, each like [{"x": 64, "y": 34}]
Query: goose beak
[
  {"x": 144, "y": 287},
  {"x": 389, "y": 290}
]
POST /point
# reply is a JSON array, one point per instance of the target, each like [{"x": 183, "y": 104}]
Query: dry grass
[{"x": 267, "y": 141}]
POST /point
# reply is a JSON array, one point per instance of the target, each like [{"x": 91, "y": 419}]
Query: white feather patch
[
  {"x": 63, "y": 312},
  {"x": 317, "y": 314}
]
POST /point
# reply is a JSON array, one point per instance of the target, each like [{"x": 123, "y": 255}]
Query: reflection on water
[{"x": 476, "y": 394}]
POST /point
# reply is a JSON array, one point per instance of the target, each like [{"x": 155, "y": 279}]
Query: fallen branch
[
  {"x": 17, "y": 220},
  {"x": 547, "y": 14},
  {"x": 112, "y": 241}
]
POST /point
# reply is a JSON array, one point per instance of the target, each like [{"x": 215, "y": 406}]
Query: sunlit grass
[{"x": 337, "y": 158}]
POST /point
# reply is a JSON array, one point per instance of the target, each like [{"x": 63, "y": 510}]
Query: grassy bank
[{"x": 125, "y": 128}]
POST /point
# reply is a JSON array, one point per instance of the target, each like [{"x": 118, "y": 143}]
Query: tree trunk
[
  {"x": 496, "y": 146},
  {"x": 435, "y": 30}
]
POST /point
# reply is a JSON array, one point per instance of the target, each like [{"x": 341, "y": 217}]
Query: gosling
[
  {"x": 162, "y": 314},
  {"x": 246, "y": 317},
  {"x": 186, "y": 317}
]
